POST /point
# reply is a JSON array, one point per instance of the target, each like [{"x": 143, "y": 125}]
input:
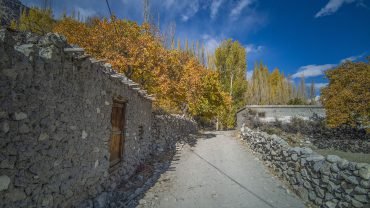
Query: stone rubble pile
[{"x": 325, "y": 181}]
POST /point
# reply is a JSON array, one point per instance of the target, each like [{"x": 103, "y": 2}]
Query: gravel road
[{"x": 218, "y": 171}]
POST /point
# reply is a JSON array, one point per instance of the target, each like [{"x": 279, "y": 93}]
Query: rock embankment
[{"x": 326, "y": 181}]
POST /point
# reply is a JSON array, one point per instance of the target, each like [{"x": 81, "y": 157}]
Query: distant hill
[{"x": 10, "y": 9}]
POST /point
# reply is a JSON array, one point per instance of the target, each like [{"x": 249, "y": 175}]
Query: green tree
[
  {"x": 347, "y": 97},
  {"x": 35, "y": 20},
  {"x": 230, "y": 61}
]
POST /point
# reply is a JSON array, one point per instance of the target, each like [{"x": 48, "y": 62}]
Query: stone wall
[
  {"x": 168, "y": 129},
  {"x": 55, "y": 123},
  {"x": 268, "y": 113},
  {"x": 325, "y": 181}
]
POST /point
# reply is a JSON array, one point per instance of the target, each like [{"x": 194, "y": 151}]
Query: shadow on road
[{"x": 131, "y": 191}]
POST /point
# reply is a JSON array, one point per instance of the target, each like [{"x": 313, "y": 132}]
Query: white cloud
[
  {"x": 351, "y": 58},
  {"x": 251, "y": 48},
  {"x": 318, "y": 86},
  {"x": 190, "y": 10},
  {"x": 235, "y": 12},
  {"x": 312, "y": 70},
  {"x": 333, "y": 5},
  {"x": 211, "y": 44},
  {"x": 215, "y": 6},
  {"x": 249, "y": 74},
  {"x": 86, "y": 12}
]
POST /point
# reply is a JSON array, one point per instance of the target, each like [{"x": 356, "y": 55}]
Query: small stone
[
  {"x": 96, "y": 164},
  {"x": 317, "y": 165},
  {"x": 306, "y": 151},
  {"x": 315, "y": 158},
  {"x": 307, "y": 185},
  {"x": 101, "y": 200},
  {"x": 360, "y": 190},
  {"x": 343, "y": 164},
  {"x": 312, "y": 195},
  {"x": 24, "y": 129},
  {"x": 319, "y": 192},
  {"x": 98, "y": 110},
  {"x": 365, "y": 184},
  {"x": 4, "y": 182},
  {"x": 84, "y": 134},
  {"x": 47, "y": 201},
  {"x": 364, "y": 172},
  {"x": 352, "y": 179},
  {"x": 5, "y": 127},
  {"x": 294, "y": 157},
  {"x": 318, "y": 201},
  {"x": 43, "y": 136},
  {"x": 19, "y": 116},
  {"x": 16, "y": 195},
  {"x": 330, "y": 204},
  {"x": 3, "y": 115},
  {"x": 356, "y": 203},
  {"x": 303, "y": 193},
  {"x": 361, "y": 198},
  {"x": 142, "y": 201},
  {"x": 106, "y": 103},
  {"x": 334, "y": 168},
  {"x": 328, "y": 196},
  {"x": 333, "y": 158},
  {"x": 361, "y": 165},
  {"x": 343, "y": 204}
]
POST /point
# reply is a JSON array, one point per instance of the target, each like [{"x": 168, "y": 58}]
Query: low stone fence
[
  {"x": 168, "y": 129},
  {"x": 326, "y": 181}
]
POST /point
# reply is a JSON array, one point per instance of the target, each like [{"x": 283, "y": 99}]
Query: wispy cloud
[
  {"x": 352, "y": 58},
  {"x": 210, "y": 43},
  {"x": 312, "y": 70},
  {"x": 333, "y": 6},
  {"x": 249, "y": 74},
  {"x": 251, "y": 48},
  {"x": 85, "y": 12},
  {"x": 191, "y": 10},
  {"x": 319, "y": 85},
  {"x": 215, "y": 6},
  {"x": 236, "y": 11}
]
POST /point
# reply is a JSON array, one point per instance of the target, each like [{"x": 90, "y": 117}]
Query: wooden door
[{"x": 117, "y": 139}]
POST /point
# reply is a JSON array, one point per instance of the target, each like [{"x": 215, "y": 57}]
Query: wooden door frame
[{"x": 119, "y": 101}]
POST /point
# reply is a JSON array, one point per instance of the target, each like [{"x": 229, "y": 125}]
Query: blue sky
[{"x": 297, "y": 36}]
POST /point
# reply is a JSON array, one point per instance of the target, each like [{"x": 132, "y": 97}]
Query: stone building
[
  {"x": 269, "y": 113},
  {"x": 70, "y": 126}
]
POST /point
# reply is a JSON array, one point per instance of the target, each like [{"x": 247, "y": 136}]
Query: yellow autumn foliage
[
  {"x": 177, "y": 78},
  {"x": 347, "y": 97}
]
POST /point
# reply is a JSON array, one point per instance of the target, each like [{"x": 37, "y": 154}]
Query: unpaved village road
[{"x": 217, "y": 172}]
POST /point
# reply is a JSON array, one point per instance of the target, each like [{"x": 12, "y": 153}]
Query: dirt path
[{"x": 217, "y": 172}]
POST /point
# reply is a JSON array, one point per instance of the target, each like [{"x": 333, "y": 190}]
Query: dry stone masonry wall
[
  {"x": 325, "y": 181},
  {"x": 55, "y": 123},
  {"x": 168, "y": 129}
]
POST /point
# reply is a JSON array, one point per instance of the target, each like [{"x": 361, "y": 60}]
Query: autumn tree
[
  {"x": 347, "y": 97},
  {"x": 273, "y": 88},
  {"x": 180, "y": 82}
]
